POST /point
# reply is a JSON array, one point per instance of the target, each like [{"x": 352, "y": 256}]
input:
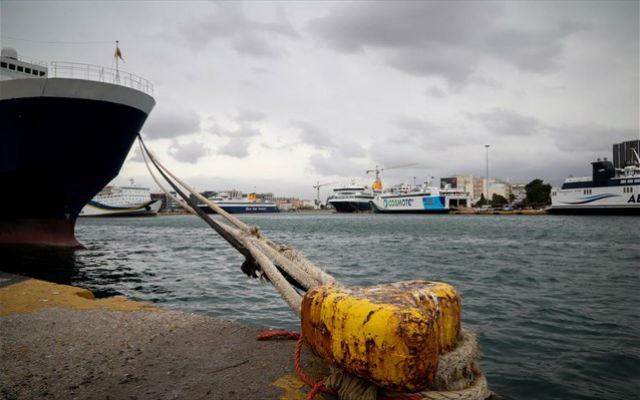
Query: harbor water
[{"x": 553, "y": 299}]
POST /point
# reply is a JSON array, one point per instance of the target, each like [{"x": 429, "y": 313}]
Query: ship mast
[{"x": 116, "y": 55}]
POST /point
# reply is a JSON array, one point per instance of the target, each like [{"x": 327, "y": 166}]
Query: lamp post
[{"x": 487, "y": 175}]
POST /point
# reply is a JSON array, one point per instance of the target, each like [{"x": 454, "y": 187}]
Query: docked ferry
[
  {"x": 243, "y": 205},
  {"x": 608, "y": 190},
  {"x": 424, "y": 198},
  {"x": 351, "y": 198},
  {"x": 122, "y": 201},
  {"x": 66, "y": 130}
]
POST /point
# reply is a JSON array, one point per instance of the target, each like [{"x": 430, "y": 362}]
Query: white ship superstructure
[
  {"x": 122, "y": 201},
  {"x": 351, "y": 198},
  {"x": 608, "y": 191}
]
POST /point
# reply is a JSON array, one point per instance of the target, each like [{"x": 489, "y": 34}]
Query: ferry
[
  {"x": 351, "y": 198},
  {"x": 66, "y": 130},
  {"x": 424, "y": 198},
  {"x": 608, "y": 190},
  {"x": 248, "y": 204},
  {"x": 122, "y": 201}
]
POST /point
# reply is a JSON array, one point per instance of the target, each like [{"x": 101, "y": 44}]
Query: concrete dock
[{"x": 58, "y": 342}]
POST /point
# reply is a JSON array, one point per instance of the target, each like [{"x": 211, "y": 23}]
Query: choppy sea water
[{"x": 554, "y": 300}]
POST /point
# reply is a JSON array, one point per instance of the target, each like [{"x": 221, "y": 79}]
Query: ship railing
[
  {"x": 64, "y": 69},
  {"x": 33, "y": 61}
]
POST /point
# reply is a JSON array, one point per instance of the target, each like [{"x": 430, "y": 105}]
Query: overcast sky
[{"x": 279, "y": 95}]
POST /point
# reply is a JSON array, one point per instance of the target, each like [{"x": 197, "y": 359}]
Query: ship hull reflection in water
[{"x": 55, "y": 264}]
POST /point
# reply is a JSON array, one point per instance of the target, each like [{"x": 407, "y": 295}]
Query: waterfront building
[
  {"x": 499, "y": 187},
  {"x": 623, "y": 155},
  {"x": 466, "y": 183},
  {"x": 479, "y": 188},
  {"x": 293, "y": 203},
  {"x": 519, "y": 192}
]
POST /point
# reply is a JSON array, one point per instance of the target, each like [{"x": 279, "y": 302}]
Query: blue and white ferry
[
  {"x": 419, "y": 199},
  {"x": 248, "y": 204},
  {"x": 608, "y": 191},
  {"x": 351, "y": 198}
]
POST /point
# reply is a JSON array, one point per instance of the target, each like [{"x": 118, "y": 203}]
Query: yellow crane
[
  {"x": 377, "y": 184},
  {"x": 317, "y": 186}
]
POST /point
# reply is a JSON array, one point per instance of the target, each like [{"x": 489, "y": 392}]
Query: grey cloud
[
  {"x": 532, "y": 51},
  {"x": 240, "y": 138},
  {"x": 414, "y": 125},
  {"x": 135, "y": 156},
  {"x": 411, "y": 130},
  {"x": 247, "y": 36},
  {"x": 335, "y": 164},
  {"x": 396, "y": 154},
  {"x": 311, "y": 135},
  {"x": 435, "y": 91},
  {"x": 351, "y": 149},
  {"x": 507, "y": 122},
  {"x": 572, "y": 138},
  {"x": 244, "y": 130},
  {"x": 238, "y": 148},
  {"x": 189, "y": 152},
  {"x": 255, "y": 45},
  {"x": 246, "y": 115},
  {"x": 446, "y": 39},
  {"x": 353, "y": 28},
  {"x": 167, "y": 122}
]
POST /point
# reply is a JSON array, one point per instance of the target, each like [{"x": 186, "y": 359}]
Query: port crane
[
  {"x": 377, "y": 184},
  {"x": 317, "y": 186}
]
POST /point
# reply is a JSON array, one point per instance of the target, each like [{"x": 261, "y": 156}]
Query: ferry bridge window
[
  {"x": 12, "y": 67},
  {"x": 19, "y": 68},
  {"x": 3, "y": 65},
  {"x": 27, "y": 70},
  {"x": 35, "y": 72},
  {"x": 41, "y": 73}
]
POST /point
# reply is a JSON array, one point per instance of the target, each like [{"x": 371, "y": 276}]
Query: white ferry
[
  {"x": 608, "y": 191},
  {"x": 351, "y": 198},
  {"x": 248, "y": 204},
  {"x": 122, "y": 201},
  {"x": 419, "y": 199}
]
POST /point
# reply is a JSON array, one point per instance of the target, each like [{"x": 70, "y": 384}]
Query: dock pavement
[{"x": 59, "y": 342}]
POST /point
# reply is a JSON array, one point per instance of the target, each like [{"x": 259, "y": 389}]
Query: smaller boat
[
  {"x": 419, "y": 199},
  {"x": 351, "y": 198},
  {"x": 122, "y": 201},
  {"x": 240, "y": 205}
]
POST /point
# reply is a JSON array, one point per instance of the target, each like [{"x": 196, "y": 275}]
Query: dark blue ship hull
[
  {"x": 242, "y": 209},
  {"x": 57, "y": 153},
  {"x": 351, "y": 206}
]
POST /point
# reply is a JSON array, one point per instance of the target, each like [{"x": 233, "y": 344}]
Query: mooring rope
[
  {"x": 458, "y": 376},
  {"x": 164, "y": 190},
  {"x": 240, "y": 242},
  {"x": 454, "y": 367},
  {"x": 290, "y": 260}
]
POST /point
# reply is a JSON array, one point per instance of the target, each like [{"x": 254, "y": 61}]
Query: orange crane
[
  {"x": 377, "y": 184},
  {"x": 317, "y": 186}
]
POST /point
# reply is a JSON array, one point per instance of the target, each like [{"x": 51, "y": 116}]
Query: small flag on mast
[{"x": 118, "y": 53}]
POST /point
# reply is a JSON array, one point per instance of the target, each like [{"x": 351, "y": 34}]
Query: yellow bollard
[{"x": 388, "y": 334}]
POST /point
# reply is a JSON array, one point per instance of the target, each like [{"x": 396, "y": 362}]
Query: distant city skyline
[{"x": 277, "y": 96}]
